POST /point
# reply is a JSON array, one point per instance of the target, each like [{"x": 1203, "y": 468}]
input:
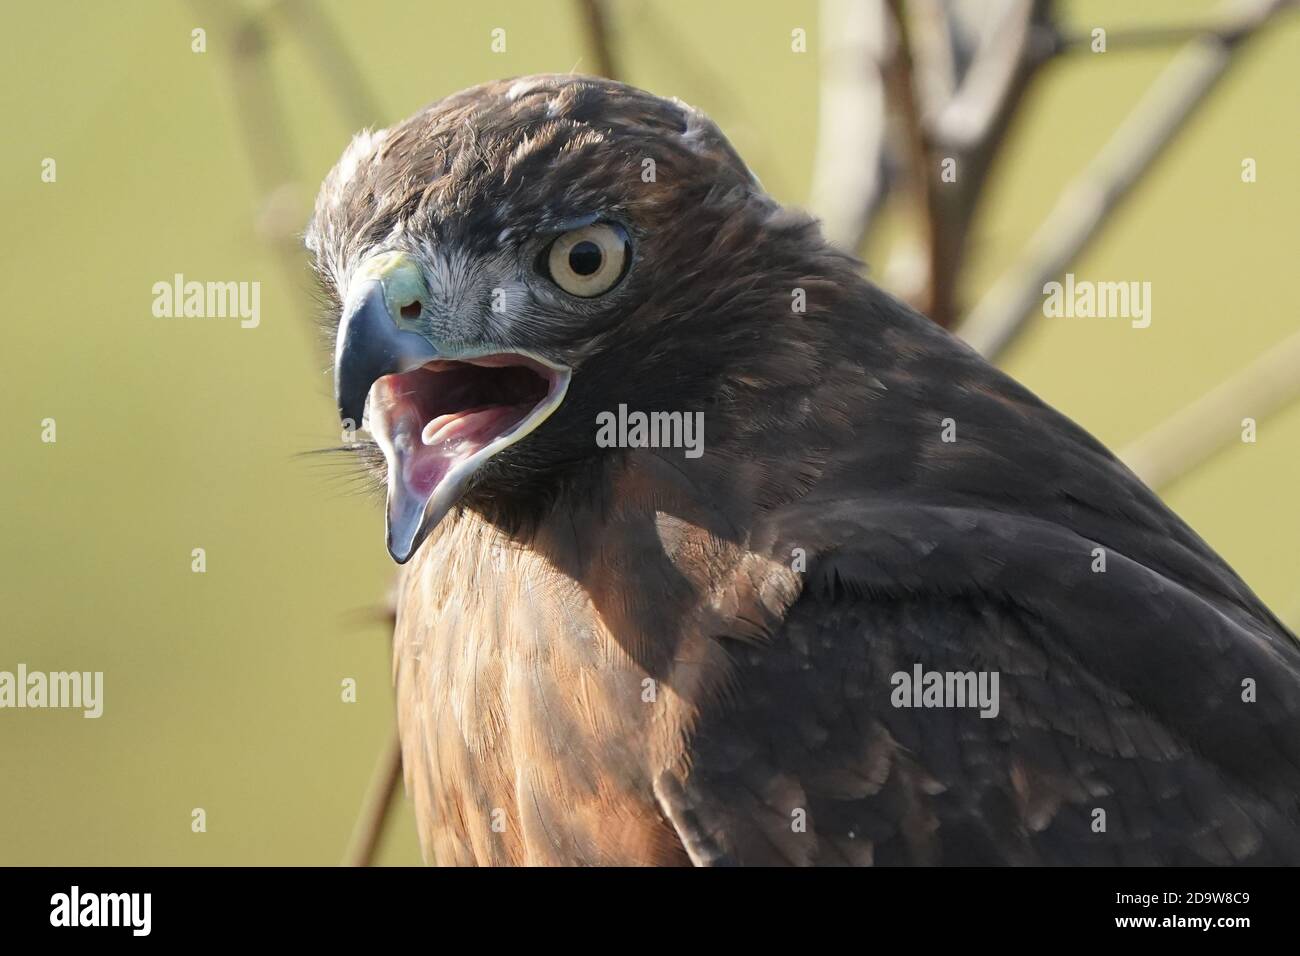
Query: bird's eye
[{"x": 588, "y": 261}]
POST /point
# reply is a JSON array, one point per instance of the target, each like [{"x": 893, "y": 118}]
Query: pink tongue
[
  {"x": 415, "y": 469},
  {"x": 473, "y": 427}
]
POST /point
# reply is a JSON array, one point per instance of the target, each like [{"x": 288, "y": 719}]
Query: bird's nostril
[{"x": 411, "y": 310}]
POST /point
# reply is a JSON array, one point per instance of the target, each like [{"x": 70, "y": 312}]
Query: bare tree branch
[
  {"x": 1137, "y": 38},
  {"x": 381, "y": 795},
  {"x": 1011, "y": 48},
  {"x": 968, "y": 128},
  {"x": 280, "y": 218},
  {"x": 924, "y": 187},
  {"x": 1214, "y": 421},
  {"x": 257, "y": 102},
  {"x": 595, "y": 17},
  {"x": 282, "y": 207},
  {"x": 849, "y": 167},
  {"x": 1087, "y": 204},
  {"x": 940, "y": 44},
  {"x": 334, "y": 64}
]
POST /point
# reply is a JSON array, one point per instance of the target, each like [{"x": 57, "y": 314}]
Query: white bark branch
[
  {"x": 848, "y": 170},
  {"x": 1088, "y": 203},
  {"x": 1214, "y": 421}
]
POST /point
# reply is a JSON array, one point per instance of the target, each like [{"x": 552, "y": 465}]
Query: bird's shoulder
[{"x": 1121, "y": 730}]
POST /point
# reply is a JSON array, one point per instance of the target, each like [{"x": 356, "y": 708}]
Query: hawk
[{"x": 755, "y": 650}]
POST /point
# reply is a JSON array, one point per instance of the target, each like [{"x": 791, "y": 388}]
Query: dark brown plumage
[{"x": 630, "y": 656}]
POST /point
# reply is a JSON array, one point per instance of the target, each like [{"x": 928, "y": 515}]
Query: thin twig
[
  {"x": 1136, "y": 38},
  {"x": 595, "y": 17},
  {"x": 1088, "y": 203},
  {"x": 935, "y": 296},
  {"x": 335, "y": 66},
  {"x": 261, "y": 110},
  {"x": 381, "y": 794},
  {"x": 262, "y": 123},
  {"x": 969, "y": 128},
  {"x": 1214, "y": 421}
]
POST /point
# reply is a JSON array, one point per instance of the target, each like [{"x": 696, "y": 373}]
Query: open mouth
[{"x": 437, "y": 424}]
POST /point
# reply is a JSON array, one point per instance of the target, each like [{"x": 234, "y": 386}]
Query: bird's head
[{"x": 519, "y": 257}]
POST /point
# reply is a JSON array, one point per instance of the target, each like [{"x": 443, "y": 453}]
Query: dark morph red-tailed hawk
[{"x": 885, "y": 607}]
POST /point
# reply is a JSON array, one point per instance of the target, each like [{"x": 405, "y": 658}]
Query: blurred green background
[{"x": 222, "y": 690}]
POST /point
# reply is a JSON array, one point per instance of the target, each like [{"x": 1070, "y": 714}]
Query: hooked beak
[
  {"x": 369, "y": 346},
  {"x": 437, "y": 418}
]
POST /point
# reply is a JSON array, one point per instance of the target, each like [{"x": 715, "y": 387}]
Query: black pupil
[{"x": 585, "y": 258}]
